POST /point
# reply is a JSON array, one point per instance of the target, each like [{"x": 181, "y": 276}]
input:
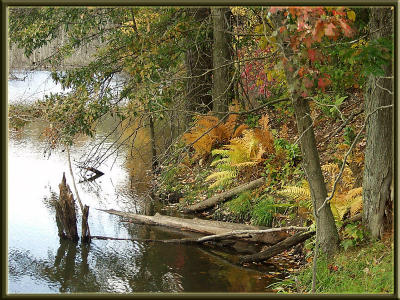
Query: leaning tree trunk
[
  {"x": 378, "y": 153},
  {"x": 327, "y": 235},
  {"x": 222, "y": 59}
]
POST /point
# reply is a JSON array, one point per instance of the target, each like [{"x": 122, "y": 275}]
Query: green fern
[{"x": 222, "y": 178}]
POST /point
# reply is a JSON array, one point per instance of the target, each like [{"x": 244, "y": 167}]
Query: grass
[{"x": 362, "y": 269}]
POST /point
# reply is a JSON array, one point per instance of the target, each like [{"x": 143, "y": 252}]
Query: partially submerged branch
[
  {"x": 278, "y": 248},
  {"x": 216, "y": 230}
]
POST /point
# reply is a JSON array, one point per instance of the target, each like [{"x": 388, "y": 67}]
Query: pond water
[{"x": 38, "y": 262}]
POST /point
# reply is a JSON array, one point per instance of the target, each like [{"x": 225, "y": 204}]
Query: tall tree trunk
[
  {"x": 327, "y": 235},
  {"x": 222, "y": 59},
  {"x": 154, "y": 162},
  {"x": 378, "y": 153},
  {"x": 198, "y": 60}
]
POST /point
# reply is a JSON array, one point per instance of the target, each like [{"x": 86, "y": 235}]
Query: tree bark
[
  {"x": 154, "y": 162},
  {"x": 327, "y": 235},
  {"x": 198, "y": 61},
  {"x": 85, "y": 225},
  {"x": 210, "y": 202},
  {"x": 65, "y": 213},
  {"x": 379, "y": 150},
  {"x": 277, "y": 248},
  {"x": 222, "y": 58}
]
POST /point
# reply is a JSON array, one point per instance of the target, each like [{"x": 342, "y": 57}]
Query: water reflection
[
  {"x": 105, "y": 267},
  {"x": 40, "y": 263}
]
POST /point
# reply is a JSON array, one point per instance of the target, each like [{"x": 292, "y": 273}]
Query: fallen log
[
  {"x": 278, "y": 248},
  {"x": 210, "y": 202},
  {"x": 204, "y": 239},
  {"x": 215, "y": 229}
]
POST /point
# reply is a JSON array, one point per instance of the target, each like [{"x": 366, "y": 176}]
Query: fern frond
[
  {"x": 238, "y": 131},
  {"x": 356, "y": 206},
  {"x": 245, "y": 164},
  {"x": 223, "y": 152},
  {"x": 350, "y": 201},
  {"x": 295, "y": 192},
  {"x": 266, "y": 139},
  {"x": 224, "y": 160},
  {"x": 353, "y": 193},
  {"x": 331, "y": 168},
  {"x": 221, "y": 175},
  {"x": 263, "y": 122}
]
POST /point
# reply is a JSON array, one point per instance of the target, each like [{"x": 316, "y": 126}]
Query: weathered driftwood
[
  {"x": 277, "y": 248},
  {"x": 65, "y": 213},
  {"x": 217, "y": 230},
  {"x": 85, "y": 224},
  {"x": 205, "y": 239},
  {"x": 210, "y": 202}
]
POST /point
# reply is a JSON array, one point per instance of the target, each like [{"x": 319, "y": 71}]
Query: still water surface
[{"x": 40, "y": 263}]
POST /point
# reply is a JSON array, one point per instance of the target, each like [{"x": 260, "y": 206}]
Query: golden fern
[
  {"x": 221, "y": 178},
  {"x": 245, "y": 151},
  {"x": 343, "y": 201},
  {"x": 297, "y": 193},
  {"x": 208, "y": 131},
  {"x": 301, "y": 194},
  {"x": 239, "y": 130}
]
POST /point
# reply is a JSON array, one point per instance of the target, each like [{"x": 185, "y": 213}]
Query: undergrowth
[{"x": 365, "y": 269}]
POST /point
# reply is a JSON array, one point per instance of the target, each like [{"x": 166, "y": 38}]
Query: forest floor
[
  {"x": 365, "y": 269},
  {"x": 361, "y": 266}
]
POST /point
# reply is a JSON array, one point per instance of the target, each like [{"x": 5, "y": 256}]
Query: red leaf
[
  {"x": 323, "y": 82},
  {"x": 292, "y": 11},
  {"x": 308, "y": 83},
  {"x": 347, "y": 31},
  {"x": 301, "y": 25},
  {"x": 301, "y": 72},
  {"x": 329, "y": 30},
  {"x": 307, "y": 41},
  {"x": 318, "y": 31},
  {"x": 311, "y": 54},
  {"x": 282, "y": 29},
  {"x": 273, "y": 9}
]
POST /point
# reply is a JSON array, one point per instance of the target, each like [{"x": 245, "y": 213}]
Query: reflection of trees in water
[
  {"x": 111, "y": 267},
  {"x": 125, "y": 267},
  {"x": 66, "y": 272}
]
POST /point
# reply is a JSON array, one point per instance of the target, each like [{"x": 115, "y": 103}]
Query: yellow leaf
[
  {"x": 351, "y": 15},
  {"x": 259, "y": 29}
]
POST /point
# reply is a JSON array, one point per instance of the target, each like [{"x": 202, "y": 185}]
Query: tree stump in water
[
  {"x": 65, "y": 213},
  {"x": 85, "y": 225}
]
